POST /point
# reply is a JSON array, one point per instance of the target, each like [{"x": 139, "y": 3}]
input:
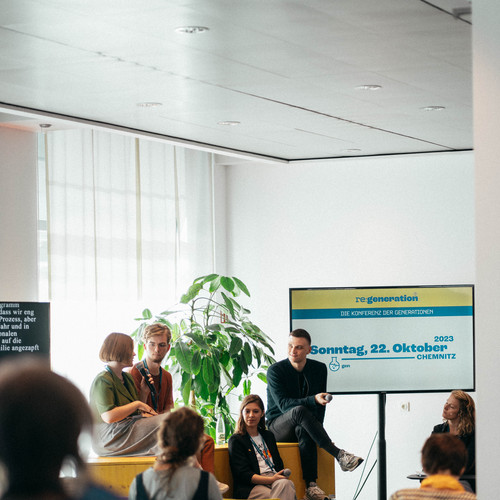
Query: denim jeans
[{"x": 300, "y": 425}]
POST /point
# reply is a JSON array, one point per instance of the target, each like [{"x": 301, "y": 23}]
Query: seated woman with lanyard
[
  {"x": 125, "y": 425},
  {"x": 254, "y": 457}
]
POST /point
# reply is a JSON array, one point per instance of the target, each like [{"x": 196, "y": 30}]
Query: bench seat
[{"x": 117, "y": 473}]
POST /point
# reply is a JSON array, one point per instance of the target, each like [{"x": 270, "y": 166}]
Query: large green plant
[{"x": 215, "y": 347}]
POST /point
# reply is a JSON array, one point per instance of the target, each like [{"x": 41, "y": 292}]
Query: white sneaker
[
  {"x": 222, "y": 487},
  {"x": 348, "y": 461},
  {"x": 314, "y": 492}
]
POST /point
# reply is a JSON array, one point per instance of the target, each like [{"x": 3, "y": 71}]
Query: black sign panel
[{"x": 24, "y": 329}]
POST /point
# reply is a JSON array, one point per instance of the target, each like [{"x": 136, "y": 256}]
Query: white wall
[
  {"x": 18, "y": 216},
  {"x": 406, "y": 220},
  {"x": 486, "y": 86}
]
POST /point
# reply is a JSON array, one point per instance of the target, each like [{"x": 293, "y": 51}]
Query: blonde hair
[{"x": 466, "y": 412}]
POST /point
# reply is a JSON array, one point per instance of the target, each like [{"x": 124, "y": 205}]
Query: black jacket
[
  {"x": 244, "y": 464},
  {"x": 284, "y": 390}
]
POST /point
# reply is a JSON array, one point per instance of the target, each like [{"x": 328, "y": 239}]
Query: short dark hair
[
  {"x": 116, "y": 347},
  {"x": 301, "y": 334},
  {"x": 444, "y": 452}
]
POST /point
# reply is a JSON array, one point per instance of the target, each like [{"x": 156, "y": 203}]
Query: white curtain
[{"x": 129, "y": 225}]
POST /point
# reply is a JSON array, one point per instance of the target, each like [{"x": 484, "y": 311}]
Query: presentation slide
[
  {"x": 390, "y": 339},
  {"x": 24, "y": 328}
]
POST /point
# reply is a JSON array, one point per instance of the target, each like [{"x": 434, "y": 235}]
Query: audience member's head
[
  {"x": 180, "y": 436},
  {"x": 41, "y": 418},
  {"x": 444, "y": 454},
  {"x": 252, "y": 400},
  {"x": 117, "y": 347}
]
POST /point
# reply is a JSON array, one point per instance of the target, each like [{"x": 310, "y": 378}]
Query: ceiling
[{"x": 289, "y": 71}]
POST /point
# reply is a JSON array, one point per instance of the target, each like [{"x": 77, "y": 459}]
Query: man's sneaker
[
  {"x": 314, "y": 492},
  {"x": 348, "y": 461},
  {"x": 222, "y": 487}
]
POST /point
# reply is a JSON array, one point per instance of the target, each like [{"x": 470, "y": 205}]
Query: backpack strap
[
  {"x": 141, "y": 491},
  {"x": 201, "y": 492}
]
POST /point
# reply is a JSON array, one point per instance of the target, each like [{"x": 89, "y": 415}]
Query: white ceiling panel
[{"x": 287, "y": 70}]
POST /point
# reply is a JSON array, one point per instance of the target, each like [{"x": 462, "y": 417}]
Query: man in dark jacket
[{"x": 296, "y": 400}]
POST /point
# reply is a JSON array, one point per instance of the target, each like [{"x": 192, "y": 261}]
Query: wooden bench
[{"x": 117, "y": 473}]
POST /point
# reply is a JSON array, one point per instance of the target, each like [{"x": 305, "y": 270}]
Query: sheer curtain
[{"x": 129, "y": 225}]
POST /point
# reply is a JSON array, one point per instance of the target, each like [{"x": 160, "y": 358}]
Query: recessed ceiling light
[
  {"x": 368, "y": 87},
  {"x": 352, "y": 150},
  {"x": 433, "y": 108},
  {"x": 191, "y": 30},
  {"x": 230, "y": 123},
  {"x": 149, "y": 104},
  {"x": 45, "y": 125}
]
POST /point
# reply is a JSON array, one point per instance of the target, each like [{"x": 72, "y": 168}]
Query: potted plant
[{"x": 215, "y": 347}]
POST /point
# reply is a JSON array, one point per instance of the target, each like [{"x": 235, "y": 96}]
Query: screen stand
[{"x": 382, "y": 456}]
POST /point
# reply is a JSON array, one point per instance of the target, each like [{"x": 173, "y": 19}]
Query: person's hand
[
  {"x": 278, "y": 475},
  {"x": 146, "y": 410},
  {"x": 320, "y": 398}
]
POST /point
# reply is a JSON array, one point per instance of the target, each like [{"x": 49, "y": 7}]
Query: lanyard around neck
[{"x": 267, "y": 456}]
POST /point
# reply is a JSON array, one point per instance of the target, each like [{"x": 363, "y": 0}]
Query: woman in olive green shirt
[{"x": 125, "y": 425}]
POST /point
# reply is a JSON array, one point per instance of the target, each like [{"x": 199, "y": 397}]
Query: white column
[
  {"x": 18, "y": 216},
  {"x": 486, "y": 51}
]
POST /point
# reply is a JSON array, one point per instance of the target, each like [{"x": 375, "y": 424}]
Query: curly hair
[
  {"x": 466, "y": 412},
  {"x": 241, "y": 427},
  {"x": 179, "y": 437}
]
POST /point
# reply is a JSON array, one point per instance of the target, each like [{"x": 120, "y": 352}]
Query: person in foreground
[
  {"x": 125, "y": 425},
  {"x": 459, "y": 414},
  {"x": 158, "y": 393},
  {"x": 180, "y": 436},
  {"x": 44, "y": 420},
  {"x": 443, "y": 459},
  {"x": 296, "y": 400},
  {"x": 254, "y": 458}
]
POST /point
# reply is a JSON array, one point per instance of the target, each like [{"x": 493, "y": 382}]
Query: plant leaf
[
  {"x": 186, "y": 387},
  {"x": 262, "y": 377},
  {"x": 196, "y": 363},
  {"x": 247, "y": 352},
  {"x": 237, "y": 374},
  {"x": 214, "y": 285},
  {"x": 227, "y": 283},
  {"x": 228, "y": 304},
  {"x": 183, "y": 354},
  {"x": 207, "y": 371},
  {"x": 210, "y": 277},
  {"x": 193, "y": 291},
  {"x": 198, "y": 340},
  {"x": 241, "y": 286},
  {"x": 235, "y": 347}
]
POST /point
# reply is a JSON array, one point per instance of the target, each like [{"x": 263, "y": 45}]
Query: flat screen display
[{"x": 390, "y": 339}]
